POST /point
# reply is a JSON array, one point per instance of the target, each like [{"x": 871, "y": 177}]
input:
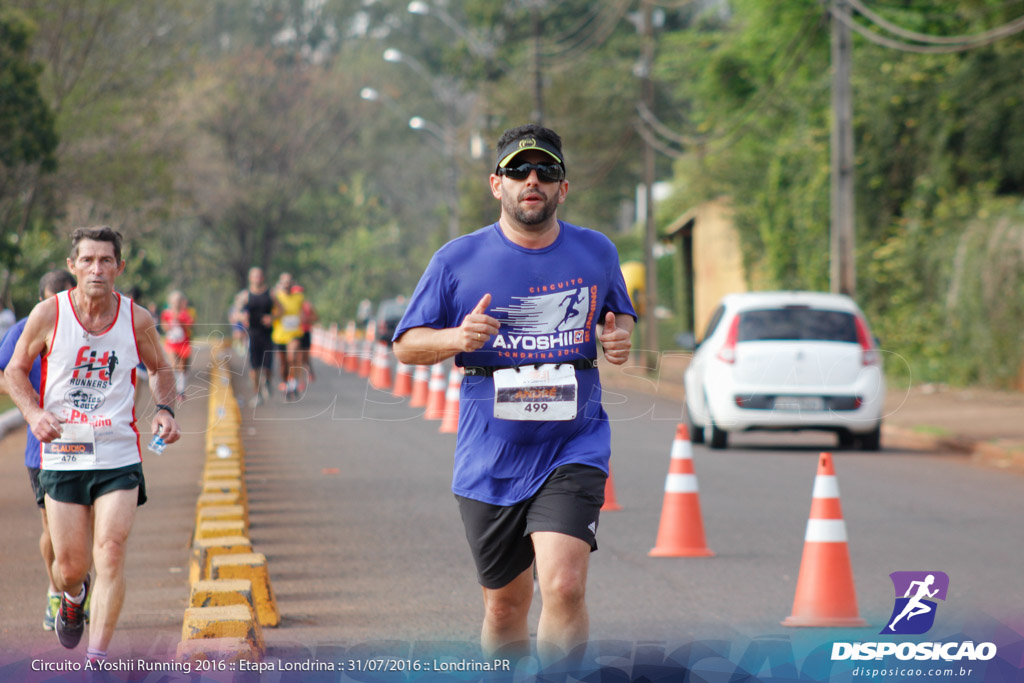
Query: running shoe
[
  {"x": 52, "y": 607},
  {"x": 70, "y": 620}
]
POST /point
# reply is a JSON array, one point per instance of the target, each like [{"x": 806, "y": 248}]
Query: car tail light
[
  {"x": 869, "y": 352},
  {"x": 728, "y": 351}
]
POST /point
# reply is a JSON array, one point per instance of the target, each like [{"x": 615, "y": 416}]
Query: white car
[{"x": 786, "y": 361}]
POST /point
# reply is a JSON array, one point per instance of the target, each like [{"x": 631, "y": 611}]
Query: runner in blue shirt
[
  {"x": 52, "y": 283},
  {"x": 521, "y": 305}
]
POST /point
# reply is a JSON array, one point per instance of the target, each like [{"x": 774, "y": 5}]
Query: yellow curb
[
  {"x": 222, "y": 513},
  {"x": 231, "y": 498},
  {"x": 225, "y": 486},
  {"x": 252, "y": 566},
  {"x": 221, "y": 593},
  {"x": 205, "y": 549},
  {"x": 231, "y": 459},
  {"x": 227, "y": 650},
  {"x": 221, "y": 529},
  {"x": 211, "y": 474},
  {"x": 231, "y": 621}
]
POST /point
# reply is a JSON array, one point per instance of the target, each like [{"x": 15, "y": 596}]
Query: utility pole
[
  {"x": 650, "y": 267},
  {"x": 538, "y": 74},
  {"x": 843, "y": 263}
]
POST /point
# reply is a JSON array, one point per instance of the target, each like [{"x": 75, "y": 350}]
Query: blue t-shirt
[
  {"x": 549, "y": 302},
  {"x": 10, "y": 340}
]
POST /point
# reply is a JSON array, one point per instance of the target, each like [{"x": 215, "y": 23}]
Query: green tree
[{"x": 28, "y": 141}]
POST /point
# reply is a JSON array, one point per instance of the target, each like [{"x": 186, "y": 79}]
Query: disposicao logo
[
  {"x": 913, "y": 614},
  {"x": 916, "y": 592}
]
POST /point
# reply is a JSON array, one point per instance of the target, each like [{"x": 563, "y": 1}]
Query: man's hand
[
  {"x": 165, "y": 427},
  {"x": 45, "y": 426},
  {"x": 615, "y": 341},
  {"x": 477, "y": 327}
]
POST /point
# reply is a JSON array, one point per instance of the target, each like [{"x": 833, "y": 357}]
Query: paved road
[{"x": 350, "y": 501}]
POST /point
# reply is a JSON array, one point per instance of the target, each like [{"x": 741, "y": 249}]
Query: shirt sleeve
[
  {"x": 10, "y": 340},
  {"x": 617, "y": 300},
  {"x": 429, "y": 305}
]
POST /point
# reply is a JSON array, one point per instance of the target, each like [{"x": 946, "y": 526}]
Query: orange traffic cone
[
  {"x": 366, "y": 358},
  {"x": 316, "y": 343},
  {"x": 610, "y": 502},
  {"x": 380, "y": 368},
  {"x": 681, "y": 531},
  {"x": 825, "y": 595},
  {"x": 337, "y": 354},
  {"x": 351, "y": 348},
  {"x": 420, "y": 381},
  {"x": 403, "y": 380},
  {"x": 435, "y": 393},
  {"x": 450, "y": 419}
]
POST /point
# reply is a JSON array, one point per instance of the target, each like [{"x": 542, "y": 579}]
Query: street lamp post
[
  {"x": 447, "y": 94},
  {"x": 446, "y": 136}
]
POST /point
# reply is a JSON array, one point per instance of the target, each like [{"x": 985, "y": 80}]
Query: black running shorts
[
  {"x": 85, "y": 486},
  {"x": 37, "y": 490},
  {"x": 569, "y": 502},
  {"x": 261, "y": 351}
]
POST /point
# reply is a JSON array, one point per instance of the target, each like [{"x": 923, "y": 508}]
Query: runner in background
[
  {"x": 287, "y": 331},
  {"x": 307, "y": 318},
  {"x": 177, "y": 321},
  {"x": 52, "y": 283},
  {"x": 257, "y": 314}
]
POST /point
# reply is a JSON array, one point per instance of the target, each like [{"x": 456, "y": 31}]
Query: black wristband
[{"x": 162, "y": 406}]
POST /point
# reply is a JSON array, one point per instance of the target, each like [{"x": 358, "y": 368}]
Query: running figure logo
[
  {"x": 914, "y": 613},
  {"x": 547, "y": 313},
  {"x": 577, "y": 297}
]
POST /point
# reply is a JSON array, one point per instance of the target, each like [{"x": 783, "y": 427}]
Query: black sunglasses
[{"x": 546, "y": 173}]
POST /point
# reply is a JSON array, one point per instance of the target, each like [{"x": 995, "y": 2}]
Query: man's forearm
[
  {"x": 20, "y": 389},
  {"x": 161, "y": 384},
  {"x": 425, "y": 346}
]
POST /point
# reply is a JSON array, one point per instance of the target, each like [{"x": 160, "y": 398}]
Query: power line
[
  {"x": 1008, "y": 29},
  {"x": 606, "y": 25},
  {"x": 795, "y": 52},
  {"x": 992, "y": 34}
]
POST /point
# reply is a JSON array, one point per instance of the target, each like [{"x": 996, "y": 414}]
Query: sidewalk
[{"x": 986, "y": 425}]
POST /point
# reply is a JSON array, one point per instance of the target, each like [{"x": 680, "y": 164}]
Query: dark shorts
[
  {"x": 85, "y": 486},
  {"x": 37, "y": 490},
  {"x": 569, "y": 502},
  {"x": 306, "y": 341},
  {"x": 261, "y": 351}
]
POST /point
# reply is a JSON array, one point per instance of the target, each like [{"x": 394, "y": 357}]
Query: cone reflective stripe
[
  {"x": 351, "y": 349},
  {"x": 611, "y": 503},
  {"x": 366, "y": 358},
  {"x": 681, "y": 530},
  {"x": 420, "y": 387},
  {"x": 450, "y": 419},
  {"x": 403, "y": 380},
  {"x": 316, "y": 343},
  {"x": 435, "y": 393},
  {"x": 380, "y": 372},
  {"x": 337, "y": 357},
  {"x": 825, "y": 594}
]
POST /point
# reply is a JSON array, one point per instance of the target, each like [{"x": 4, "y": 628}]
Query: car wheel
[
  {"x": 717, "y": 438},
  {"x": 696, "y": 431},
  {"x": 872, "y": 441},
  {"x": 846, "y": 439}
]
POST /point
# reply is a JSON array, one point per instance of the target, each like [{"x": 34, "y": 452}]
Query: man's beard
[{"x": 530, "y": 217}]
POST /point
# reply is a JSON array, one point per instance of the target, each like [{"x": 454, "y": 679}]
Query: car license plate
[{"x": 800, "y": 403}]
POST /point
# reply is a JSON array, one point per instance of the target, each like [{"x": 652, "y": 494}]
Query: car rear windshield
[{"x": 792, "y": 323}]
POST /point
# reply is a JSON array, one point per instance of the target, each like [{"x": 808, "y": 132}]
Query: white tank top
[{"x": 88, "y": 382}]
